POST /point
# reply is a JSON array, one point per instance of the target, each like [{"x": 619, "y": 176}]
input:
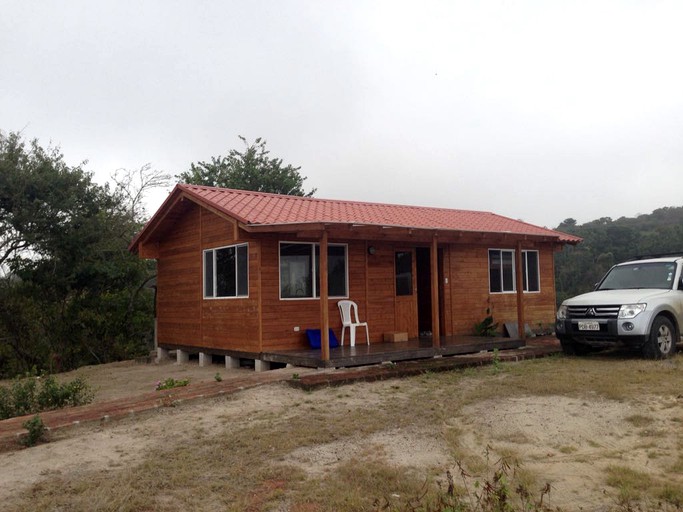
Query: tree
[
  {"x": 607, "y": 241},
  {"x": 252, "y": 169},
  {"x": 70, "y": 291}
]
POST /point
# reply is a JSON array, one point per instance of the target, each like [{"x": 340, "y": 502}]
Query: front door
[{"x": 406, "y": 292}]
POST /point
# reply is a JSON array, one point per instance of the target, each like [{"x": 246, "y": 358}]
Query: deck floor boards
[{"x": 363, "y": 354}]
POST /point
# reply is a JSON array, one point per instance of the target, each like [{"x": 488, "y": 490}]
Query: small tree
[{"x": 252, "y": 169}]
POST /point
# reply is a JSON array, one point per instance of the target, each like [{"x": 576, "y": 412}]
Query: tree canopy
[
  {"x": 250, "y": 169},
  {"x": 607, "y": 242},
  {"x": 70, "y": 291}
]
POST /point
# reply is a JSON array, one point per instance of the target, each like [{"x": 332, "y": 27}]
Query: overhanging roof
[{"x": 262, "y": 212}]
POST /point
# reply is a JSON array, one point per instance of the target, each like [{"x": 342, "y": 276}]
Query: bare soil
[{"x": 570, "y": 440}]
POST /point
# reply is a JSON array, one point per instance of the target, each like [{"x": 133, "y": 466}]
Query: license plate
[{"x": 589, "y": 326}]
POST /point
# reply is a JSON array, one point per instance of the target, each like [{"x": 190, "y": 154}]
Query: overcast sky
[{"x": 536, "y": 110}]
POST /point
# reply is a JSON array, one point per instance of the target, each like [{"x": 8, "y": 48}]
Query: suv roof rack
[{"x": 660, "y": 255}]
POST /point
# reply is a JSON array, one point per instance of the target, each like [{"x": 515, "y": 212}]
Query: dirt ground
[{"x": 566, "y": 441}]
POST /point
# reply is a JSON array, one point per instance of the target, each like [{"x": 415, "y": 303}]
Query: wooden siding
[
  {"x": 179, "y": 283},
  {"x": 231, "y": 322},
  {"x": 281, "y": 317},
  {"x": 469, "y": 289},
  {"x": 263, "y": 322}
]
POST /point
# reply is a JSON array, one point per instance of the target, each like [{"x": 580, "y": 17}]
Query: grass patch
[
  {"x": 246, "y": 463},
  {"x": 630, "y": 484},
  {"x": 639, "y": 421}
]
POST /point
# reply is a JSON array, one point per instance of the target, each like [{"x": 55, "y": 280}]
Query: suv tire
[{"x": 662, "y": 340}]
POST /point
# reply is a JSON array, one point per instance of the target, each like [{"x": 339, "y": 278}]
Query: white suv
[{"x": 638, "y": 303}]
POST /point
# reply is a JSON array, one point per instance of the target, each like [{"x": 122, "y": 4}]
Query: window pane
[
  {"x": 495, "y": 269},
  {"x": 404, "y": 273},
  {"x": 296, "y": 278},
  {"x": 336, "y": 276},
  {"x": 336, "y": 271},
  {"x": 242, "y": 271},
  {"x": 208, "y": 273},
  {"x": 225, "y": 272},
  {"x": 508, "y": 271},
  {"x": 531, "y": 267}
]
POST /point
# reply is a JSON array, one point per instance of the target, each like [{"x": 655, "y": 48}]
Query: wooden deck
[{"x": 363, "y": 354}]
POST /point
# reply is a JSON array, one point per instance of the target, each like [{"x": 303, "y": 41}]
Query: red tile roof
[{"x": 262, "y": 209}]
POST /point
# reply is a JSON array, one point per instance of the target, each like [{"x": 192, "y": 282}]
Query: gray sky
[{"x": 537, "y": 110}]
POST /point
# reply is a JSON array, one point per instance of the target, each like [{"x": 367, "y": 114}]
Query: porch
[{"x": 363, "y": 354}]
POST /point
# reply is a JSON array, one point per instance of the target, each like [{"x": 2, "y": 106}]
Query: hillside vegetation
[{"x": 607, "y": 242}]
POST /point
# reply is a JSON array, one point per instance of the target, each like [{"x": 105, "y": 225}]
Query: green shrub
[
  {"x": 36, "y": 431},
  {"x": 32, "y": 394},
  {"x": 486, "y": 327},
  {"x": 171, "y": 383}
]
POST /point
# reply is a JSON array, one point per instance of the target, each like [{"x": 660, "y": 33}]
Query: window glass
[
  {"x": 242, "y": 271},
  {"x": 300, "y": 270},
  {"x": 226, "y": 285},
  {"x": 404, "y": 273},
  {"x": 495, "y": 272},
  {"x": 531, "y": 277},
  {"x": 508, "y": 271},
  {"x": 208, "y": 273},
  {"x": 502, "y": 271},
  {"x": 226, "y": 272},
  {"x": 336, "y": 271},
  {"x": 296, "y": 279}
]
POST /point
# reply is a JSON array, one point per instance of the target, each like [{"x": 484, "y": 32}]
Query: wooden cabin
[{"x": 238, "y": 271}]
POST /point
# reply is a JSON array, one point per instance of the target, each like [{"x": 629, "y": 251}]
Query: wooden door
[{"x": 405, "y": 289}]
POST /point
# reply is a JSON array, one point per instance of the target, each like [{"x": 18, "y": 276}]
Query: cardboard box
[{"x": 395, "y": 336}]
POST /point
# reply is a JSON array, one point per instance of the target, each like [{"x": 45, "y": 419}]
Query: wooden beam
[
  {"x": 324, "y": 300},
  {"x": 434, "y": 267},
  {"x": 521, "y": 331}
]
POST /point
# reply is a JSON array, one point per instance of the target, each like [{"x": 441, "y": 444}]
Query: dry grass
[{"x": 245, "y": 464}]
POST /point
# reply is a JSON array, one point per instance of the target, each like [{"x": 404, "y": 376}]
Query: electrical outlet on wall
[{"x": 296, "y": 328}]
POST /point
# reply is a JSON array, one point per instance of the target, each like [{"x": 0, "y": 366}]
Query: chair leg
[
  {"x": 352, "y": 330},
  {"x": 342, "y": 340},
  {"x": 367, "y": 334}
]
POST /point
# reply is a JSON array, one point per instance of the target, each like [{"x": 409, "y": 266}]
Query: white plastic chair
[{"x": 347, "y": 308}]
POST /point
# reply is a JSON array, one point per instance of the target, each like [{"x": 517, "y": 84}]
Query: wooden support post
[
  {"x": 521, "y": 331},
  {"x": 324, "y": 301},
  {"x": 434, "y": 268}
]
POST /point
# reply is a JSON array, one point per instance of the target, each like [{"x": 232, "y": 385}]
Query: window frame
[
  {"x": 525, "y": 271},
  {"x": 213, "y": 250},
  {"x": 314, "y": 263}
]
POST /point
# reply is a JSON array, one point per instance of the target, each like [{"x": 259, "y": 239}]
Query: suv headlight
[
  {"x": 562, "y": 312},
  {"x": 631, "y": 310}
]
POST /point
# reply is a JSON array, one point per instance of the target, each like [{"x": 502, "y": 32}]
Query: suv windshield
[{"x": 640, "y": 275}]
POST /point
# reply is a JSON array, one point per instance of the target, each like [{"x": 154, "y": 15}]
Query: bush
[
  {"x": 36, "y": 431},
  {"x": 171, "y": 383},
  {"x": 32, "y": 394}
]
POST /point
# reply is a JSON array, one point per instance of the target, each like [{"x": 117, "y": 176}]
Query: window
[
  {"x": 403, "y": 266},
  {"x": 300, "y": 270},
  {"x": 530, "y": 271},
  {"x": 502, "y": 275},
  {"x": 226, "y": 272}
]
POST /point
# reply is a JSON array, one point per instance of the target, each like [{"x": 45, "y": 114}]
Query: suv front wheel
[{"x": 661, "y": 343}]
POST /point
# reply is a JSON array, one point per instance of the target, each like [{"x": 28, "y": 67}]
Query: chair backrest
[{"x": 345, "y": 309}]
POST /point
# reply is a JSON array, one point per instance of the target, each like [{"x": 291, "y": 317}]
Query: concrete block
[
  {"x": 232, "y": 362},
  {"x": 162, "y": 355},
  {"x": 182, "y": 357},
  {"x": 261, "y": 366},
  {"x": 204, "y": 359}
]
